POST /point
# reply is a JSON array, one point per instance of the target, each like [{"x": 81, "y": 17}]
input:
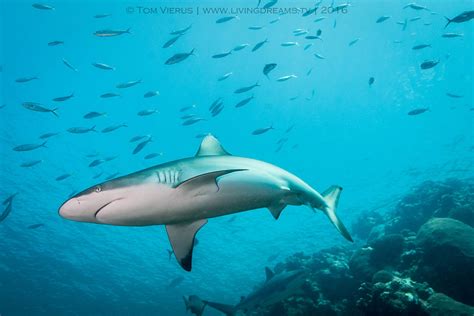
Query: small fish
[
  {"x": 415, "y": 6},
  {"x": 150, "y": 94},
  {"x": 256, "y": 28},
  {"x": 245, "y": 89},
  {"x": 455, "y": 96},
  {"x": 42, "y": 6},
  {"x": 319, "y": 56},
  {"x": 299, "y": 32},
  {"x": 29, "y": 147},
  {"x": 181, "y": 31},
  {"x": 239, "y": 47},
  {"x": 259, "y": 45},
  {"x": 268, "y": 68},
  {"x": 141, "y": 145},
  {"x": 260, "y": 131},
  {"x": 216, "y": 103},
  {"x": 171, "y": 41},
  {"x": 113, "y": 128},
  {"x": 48, "y": 135},
  {"x": 92, "y": 155},
  {"x": 309, "y": 71},
  {"x": 35, "y": 226},
  {"x": 31, "y": 163},
  {"x": 26, "y": 79},
  {"x": 62, "y": 99},
  {"x": 81, "y": 130},
  {"x": 128, "y": 84},
  {"x": 192, "y": 121},
  {"x": 110, "y": 33},
  {"x": 452, "y": 35},
  {"x": 371, "y": 81},
  {"x": 404, "y": 24},
  {"x": 177, "y": 58},
  {"x": 308, "y": 46},
  {"x": 187, "y": 108},
  {"x": 225, "y": 76},
  {"x": 63, "y": 177},
  {"x": 226, "y": 19},
  {"x": 103, "y": 66},
  {"x": 270, "y": 4},
  {"x": 288, "y": 44},
  {"x": 2, "y": 106},
  {"x": 137, "y": 138},
  {"x": 418, "y": 111},
  {"x": 55, "y": 43},
  {"x": 217, "y": 110},
  {"x": 310, "y": 12},
  {"x": 9, "y": 199},
  {"x": 415, "y": 19},
  {"x": 428, "y": 64},
  {"x": 463, "y": 17},
  {"x": 275, "y": 20},
  {"x": 98, "y": 175},
  {"x": 382, "y": 19},
  {"x": 33, "y": 106},
  {"x": 101, "y": 16},
  {"x": 92, "y": 115},
  {"x": 285, "y": 78},
  {"x": 147, "y": 112},
  {"x": 319, "y": 19},
  {"x": 313, "y": 37},
  {"x": 354, "y": 41},
  {"x": 96, "y": 162},
  {"x": 188, "y": 116},
  {"x": 6, "y": 212},
  {"x": 421, "y": 46},
  {"x": 110, "y": 158},
  {"x": 222, "y": 55},
  {"x": 68, "y": 65},
  {"x": 244, "y": 102},
  {"x": 175, "y": 282},
  {"x": 109, "y": 95},
  {"x": 153, "y": 155}
]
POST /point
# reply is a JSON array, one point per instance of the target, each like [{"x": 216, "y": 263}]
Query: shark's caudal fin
[
  {"x": 228, "y": 310},
  {"x": 331, "y": 196}
]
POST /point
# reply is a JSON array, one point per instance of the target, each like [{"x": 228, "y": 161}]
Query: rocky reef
[{"x": 414, "y": 259}]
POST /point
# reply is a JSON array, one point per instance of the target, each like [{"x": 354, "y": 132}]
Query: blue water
[{"x": 351, "y": 134}]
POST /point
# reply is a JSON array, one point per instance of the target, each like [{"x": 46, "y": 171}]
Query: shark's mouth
[{"x": 104, "y": 206}]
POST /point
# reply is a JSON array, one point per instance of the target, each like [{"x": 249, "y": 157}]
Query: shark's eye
[{"x": 98, "y": 188}]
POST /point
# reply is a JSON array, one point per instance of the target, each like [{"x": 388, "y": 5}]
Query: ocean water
[{"x": 339, "y": 130}]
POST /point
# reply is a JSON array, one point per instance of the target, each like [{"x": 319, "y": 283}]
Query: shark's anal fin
[
  {"x": 210, "y": 146},
  {"x": 204, "y": 183},
  {"x": 181, "y": 237}
]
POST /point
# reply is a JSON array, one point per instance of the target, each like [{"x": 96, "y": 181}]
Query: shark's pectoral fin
[
  {"x": 276, "y": 209},
  {"x": 204, "y": 183},
  {"x": 181, "y": 237}
]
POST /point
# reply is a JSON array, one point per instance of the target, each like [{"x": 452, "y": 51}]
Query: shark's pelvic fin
[
  {"x": 205, "y": 183},
  {"x": 181, "y": 237},
  {"x": 331, "y": 196},
  {"x": 268, "y": 273},
  {"x": 210, "y": 146},
  {"x": 276, "y": 209}
]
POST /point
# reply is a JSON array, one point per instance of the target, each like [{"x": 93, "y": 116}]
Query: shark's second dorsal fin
[
  {"x": 269, "y": 273},
  {"x": 210, "y": 146}
]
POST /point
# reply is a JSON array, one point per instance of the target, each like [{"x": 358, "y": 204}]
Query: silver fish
[
  {"x": 31, "y": 163},
  {"x": 37, "y": 107},
  {"x": 110, "y": 33},
  {"x": 260, "y": 131},
  {"x": 81, "y": 130},
  {"x": 26, "y": 79},
  {"x": 141, "y": 145},
  {"x": 240, "y": 47},
  {"x": 65, "y": 98},
  {"x": 42, "y": 6},
  {"x": 103, "y": 66},
  {"x": 128, "y": 84},
  {"x": 68, "y": 64},
  {"x": 147, "y": 112},
  {"x": 150, "y": 94},
  {"x": 177, "y": 58},
  {"x": 245, "y": 89},
  {"x": 92, "y": 115},
  {"x": 28, "y": 147},
  {"x": 113, "y": 128},
  {"x": 225, "y": 76}
]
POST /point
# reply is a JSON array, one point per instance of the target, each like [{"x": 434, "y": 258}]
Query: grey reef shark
[{"x": 183, "y": 194}]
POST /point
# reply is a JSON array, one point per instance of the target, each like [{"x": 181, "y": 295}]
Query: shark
[
  {"x": 276, "y": 288},
  {"x": 183, "y": 194}
]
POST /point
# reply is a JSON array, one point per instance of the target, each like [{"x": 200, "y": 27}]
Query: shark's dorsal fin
[
  {"x": 181, "y": 237},
  {"x": 269, "y": 273},
  {"x": 210, "y": 146}
]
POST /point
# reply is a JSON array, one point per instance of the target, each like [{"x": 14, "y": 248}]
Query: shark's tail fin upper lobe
[{"x": 331, "y": 196}]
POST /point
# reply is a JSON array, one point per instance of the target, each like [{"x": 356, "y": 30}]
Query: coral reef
[{"x": 416, "y": 259}]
